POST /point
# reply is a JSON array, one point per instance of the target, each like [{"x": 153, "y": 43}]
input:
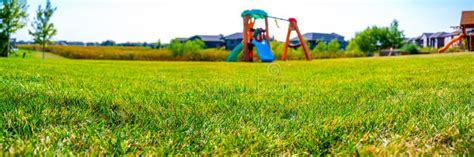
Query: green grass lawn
[{"x": 420, "y": 105}]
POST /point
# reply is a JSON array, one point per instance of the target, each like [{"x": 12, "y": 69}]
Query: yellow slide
[{"x": 446, "y": 47}]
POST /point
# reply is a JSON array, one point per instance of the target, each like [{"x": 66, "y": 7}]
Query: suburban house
[
  {"x": 433, "y": 40},
  {"x": 182, "y": 40},
  {"x": 425, "y": 39},
  {"x": 108, "y": 43},
  {"x": 416, "y": 41},
  {"x": 70, "y": 43},
  {"x": 313, "y": 39},
  {"x": 231, "y": 41},
  {"x": 92, "y": 44},
  {"x": 210, "y": 41},
  {"x": 63, "y": 43},
  {"x": 76, "y": 43},
  {"x": 21, "y": 42},
  {"x": 437, "y": 40}
]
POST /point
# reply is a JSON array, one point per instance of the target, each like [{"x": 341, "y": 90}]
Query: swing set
[{"x": 259, "y": 38}]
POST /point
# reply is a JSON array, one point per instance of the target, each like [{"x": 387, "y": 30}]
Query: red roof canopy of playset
[{"x": 467, "y": 19}]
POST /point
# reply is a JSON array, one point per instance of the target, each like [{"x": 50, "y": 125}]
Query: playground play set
[
  {"x": 259, "y": 38},
  {"x": 467, "y": 32}
]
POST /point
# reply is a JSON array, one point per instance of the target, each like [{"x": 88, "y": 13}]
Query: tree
[
  {"x": 375, "y": 38},
  {"x": 176, "y": 47},
  {"x": 366, "y": 40},
  {"x": 44, "y": 29},
  {"x": 320, "y": 47},
  {"x": 12, "y": 17},
  {"x": 108, "y": 43},
  {"x": 189, "y": 47},
  {"x": 334, "y": 46},
  {"x": 352, "y": 47},
  {"x": 395, "y": 35},
  {"x": 410, "y": 48},
  {"x": 158, "y": 44},
  {"x": 193, "y": 46}
]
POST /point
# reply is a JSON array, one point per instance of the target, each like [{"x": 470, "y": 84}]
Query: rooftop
[
  {"x": 467, "y": 18},
  {"x": 320, "y": 36},
  {"x": 234, "y": 36},
  {"x": 208, "y": 37},
  {"x": 439, "y": 35}
]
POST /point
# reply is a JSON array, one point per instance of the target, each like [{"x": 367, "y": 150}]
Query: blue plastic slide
[{"x": 263, "y": 51}]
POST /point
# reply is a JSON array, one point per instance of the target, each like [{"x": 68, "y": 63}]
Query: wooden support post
[
  {"x": 466, "y": 45},
  {"x": 303, "y": 43},
  {"x": 250, "y": 37},
  {"x": 245, "y": 39},
  {"x": 294, "y": 27},
  {"x": 267, "y": 33},
  {"x": 287, "y": 42},
  {"x": 471, "y": 48}
]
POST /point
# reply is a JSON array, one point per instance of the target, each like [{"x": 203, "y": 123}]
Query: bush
[
  {"x": 352, "y": 49},
  {"x": 410, "y": 48},
  {"x": 334, "y": 46},
  {"x": 320, "y": 47},
  {"x": 293, "y": 54},
  {"x": 189, "y": 47}
]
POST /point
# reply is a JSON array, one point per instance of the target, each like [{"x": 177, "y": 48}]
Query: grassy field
[{"x": 414, "y": 105}]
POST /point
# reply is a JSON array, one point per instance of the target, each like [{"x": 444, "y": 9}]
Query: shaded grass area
[{"x": 421, "y": 105}]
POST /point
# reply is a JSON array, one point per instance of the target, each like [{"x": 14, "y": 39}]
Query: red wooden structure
[
  {"x": 467, "y": 27},
  {"x": 249, "y": 18},
  {"x": 294, "y": 27}
]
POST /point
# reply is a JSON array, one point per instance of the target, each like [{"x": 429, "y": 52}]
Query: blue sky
[{"x": 150, "y": 20}]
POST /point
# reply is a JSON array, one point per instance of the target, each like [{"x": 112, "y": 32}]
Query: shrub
[
  {"x": 189, "y": 47},
  {"x": 320, "y": 47},
  {"x": 293, "y": 54},
  {"x": 212, "y": 55},
  {"x": 410, "y": 48},
  {"x": 352, "y": 49},
  {"x": 334, "y": 46}
]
